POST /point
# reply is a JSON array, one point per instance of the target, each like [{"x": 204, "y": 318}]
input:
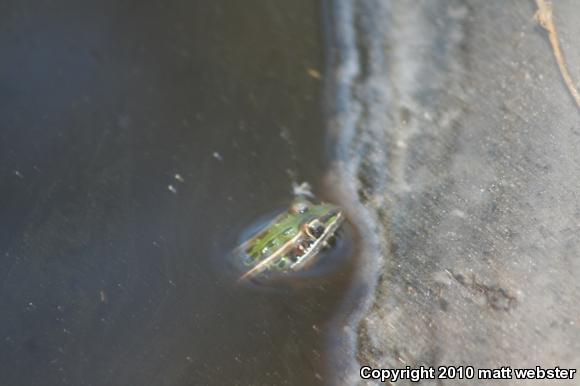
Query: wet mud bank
[{"x": 456, "y": 146}]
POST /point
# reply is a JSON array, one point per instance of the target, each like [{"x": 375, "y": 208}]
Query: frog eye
[
  {"x": 299, "y": 207},
  {"x": 315, "y": 229}
]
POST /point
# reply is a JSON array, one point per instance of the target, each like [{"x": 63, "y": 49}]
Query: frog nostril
[{"x": 299, "y": 207}]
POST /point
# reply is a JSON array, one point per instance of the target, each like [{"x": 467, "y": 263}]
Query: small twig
[{"x": 544, "y": 17}]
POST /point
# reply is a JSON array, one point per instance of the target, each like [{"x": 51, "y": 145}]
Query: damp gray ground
[{"x": 459, "y": 144}]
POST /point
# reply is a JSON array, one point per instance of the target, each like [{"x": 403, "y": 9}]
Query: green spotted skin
[{"x": 283, "y": 235}]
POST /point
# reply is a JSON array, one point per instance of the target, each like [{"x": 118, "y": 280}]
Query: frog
[{"x": 291, "y": 242}]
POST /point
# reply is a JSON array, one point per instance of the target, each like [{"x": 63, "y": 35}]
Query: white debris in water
[
  {"x": 178, "y": 177},
  {"x": 18, "y": 174},
  {"x": 313, "y": 73},
  {"x": 172, "y": 189},
  {"x": 304, "y": 189},
  {"x": 218, "y": 156}
]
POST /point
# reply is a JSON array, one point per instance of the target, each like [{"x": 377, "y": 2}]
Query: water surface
[{"x": 137, "y": 138}]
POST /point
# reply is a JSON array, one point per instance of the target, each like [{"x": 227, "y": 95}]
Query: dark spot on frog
[{"x": 317, "y": 230}]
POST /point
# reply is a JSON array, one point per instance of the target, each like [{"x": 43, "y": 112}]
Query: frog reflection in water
[{"x": 291, "y": 242}]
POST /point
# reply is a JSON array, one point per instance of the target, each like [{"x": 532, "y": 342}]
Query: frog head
[{"x": 292, "y": 241}]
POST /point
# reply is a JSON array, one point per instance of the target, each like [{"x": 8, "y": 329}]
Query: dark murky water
[{"x": 136, "y": 139}]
